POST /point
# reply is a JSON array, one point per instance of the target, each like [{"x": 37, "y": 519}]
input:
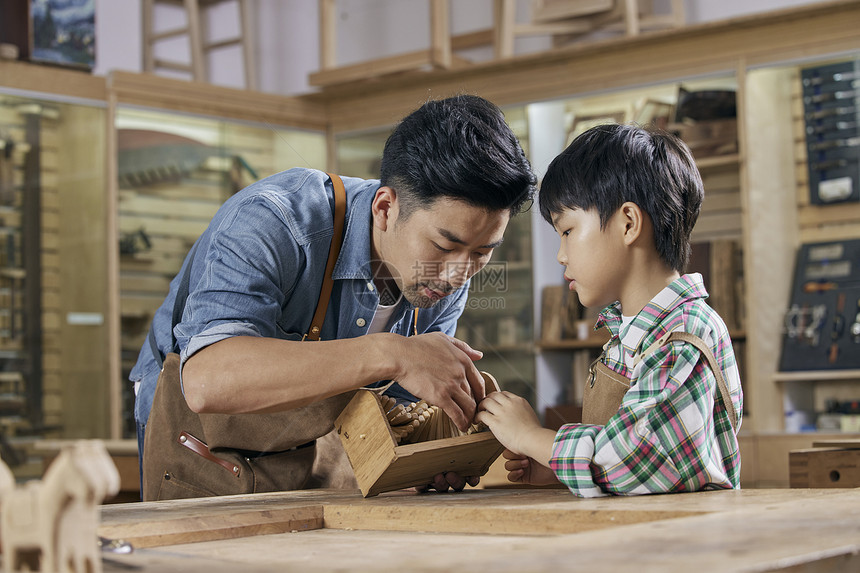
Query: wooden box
[
  {"x": 381, "y": 465},
  {"x": 825, "y": 467}
]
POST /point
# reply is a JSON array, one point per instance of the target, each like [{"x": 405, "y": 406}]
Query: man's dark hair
[
  {"x": 460, "y": 148},
  {"x": 609, "y": 165}
]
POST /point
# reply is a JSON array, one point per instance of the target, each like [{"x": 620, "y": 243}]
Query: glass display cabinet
[{"x": 52, "y": 273}]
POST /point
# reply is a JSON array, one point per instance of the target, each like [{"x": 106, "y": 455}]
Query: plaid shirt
[{"x": 668, "y": 436}]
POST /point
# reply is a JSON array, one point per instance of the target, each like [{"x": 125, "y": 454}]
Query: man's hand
[
  {"x": 440, "y": 369},
  {"x": 448, "y": 480}
]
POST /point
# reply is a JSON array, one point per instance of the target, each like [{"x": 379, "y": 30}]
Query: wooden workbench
[{"x": 493, "y": 530}]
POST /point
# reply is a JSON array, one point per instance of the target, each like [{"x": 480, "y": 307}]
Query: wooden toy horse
[{"x": 51, "y": 525}]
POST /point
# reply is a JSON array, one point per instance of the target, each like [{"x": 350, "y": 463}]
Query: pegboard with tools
[
  {"x": 831, "y": 106},
  {"x": 822, "y": 323}
]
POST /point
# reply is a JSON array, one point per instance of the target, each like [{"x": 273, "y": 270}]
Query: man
[{"x": 452, "y": 175}]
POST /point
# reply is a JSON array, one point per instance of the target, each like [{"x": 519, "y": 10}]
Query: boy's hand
[
  {"x": 523, "y": 469},
  {"x": 510, "y": 418}
]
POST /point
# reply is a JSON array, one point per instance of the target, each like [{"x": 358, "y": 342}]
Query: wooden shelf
[
  {"x": 505, "y": 348},
  {"x": 572, "y": 344},
  {"x": 817, "y": 375},
  {"x": 718, "y": 161}
]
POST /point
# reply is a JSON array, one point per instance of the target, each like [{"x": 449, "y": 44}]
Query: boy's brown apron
[
  {"x": 198, "y": 455},
  {"x": 605, "y": 388}
]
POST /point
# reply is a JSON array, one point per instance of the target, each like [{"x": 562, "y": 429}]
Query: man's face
[{"x": 435, "y": 250}]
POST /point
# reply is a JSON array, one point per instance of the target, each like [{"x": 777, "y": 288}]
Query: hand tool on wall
[
  {"x": 838, "y": 328},
  {"x": 855, "y": 327}
]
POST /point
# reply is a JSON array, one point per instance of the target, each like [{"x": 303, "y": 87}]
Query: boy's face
[
  {"x": 436, "y": 249},
  {"x": 592, "y": 257}
]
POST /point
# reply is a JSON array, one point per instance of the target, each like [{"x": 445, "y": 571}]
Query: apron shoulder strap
[
  {"x": 709, "y": 358},
  {"x": 333, "y": 253}
]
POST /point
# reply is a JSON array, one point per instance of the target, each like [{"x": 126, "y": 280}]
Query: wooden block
[
  {"x": 552, "y": 305},
  {"x": 824, "y": 467},
  {"x": 381, "y": 465}
]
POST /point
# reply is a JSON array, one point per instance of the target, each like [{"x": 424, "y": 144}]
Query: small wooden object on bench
[
  {"x": 834, "y": 463},
  {"x": 51, "y": 525},
  {"x": 382, "y": 464}
]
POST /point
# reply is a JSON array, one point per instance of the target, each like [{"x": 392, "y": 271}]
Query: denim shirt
[{"x": 258, "y": 268}]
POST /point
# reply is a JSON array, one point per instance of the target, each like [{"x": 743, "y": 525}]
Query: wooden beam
[
  {"x": 372, "y": 69},
  {"x": 328, "y": 34},
  {"x": 475, "y": 39},
  {"x": 440, "y": 35},
  {"x": 631, "y": 17},
  {"x": 194, "y": 97},
  {"x": 195, "y": 35},
  {"x": 249, "y": 59},
  {"x": 504, "y": 17},
  {"x": 146, "y": 10},
  {"x": 51, "y": 80}
]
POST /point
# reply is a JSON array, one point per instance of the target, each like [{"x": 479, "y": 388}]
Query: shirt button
[
  {"x": 360, "y": 322},
  {"x": 370, "y": 286}
]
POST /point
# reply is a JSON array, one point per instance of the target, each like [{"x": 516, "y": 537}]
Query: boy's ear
[
  {"x": 632, "y": 220},
  {"x": 384, "y": 208}
]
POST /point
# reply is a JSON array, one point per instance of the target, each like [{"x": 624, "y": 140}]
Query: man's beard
[{"x": 416, "y": 297}]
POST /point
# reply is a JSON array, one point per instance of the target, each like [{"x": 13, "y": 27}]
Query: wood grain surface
[{"x": 499, "y": 530}]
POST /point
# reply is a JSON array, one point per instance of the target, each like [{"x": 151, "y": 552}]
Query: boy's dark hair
[
  {"x": 461, "y": 148},
  {"x": 609, "y": 165}
]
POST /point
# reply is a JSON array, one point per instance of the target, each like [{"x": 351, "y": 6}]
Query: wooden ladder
[{"x": 195, "y": 30}]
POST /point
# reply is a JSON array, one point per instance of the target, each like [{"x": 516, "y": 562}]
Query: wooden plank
[
  {"x": 52, "y": 80},
  {"x": 748, "y": 530},
  {"x": 829, "y": 233},
  {"x": 851, "y": 443},
  {"x": 188, "y": 229},
  {"x": 722, "y": 202},
  {"x": 817, "y": 215},
  {"x": 206, "y": 99},
  {"x": 194, "y": 529},
  {"x": 146, "y": 283},
  {"x": 141, "y": 205},
  {"x": 711, "y": 224},
  {"x": 374, "y": 68},
  {"x": 140, "y": 305}
]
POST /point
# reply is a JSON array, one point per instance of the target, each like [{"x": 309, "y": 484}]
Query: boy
[{"x": 624, "y": 200}]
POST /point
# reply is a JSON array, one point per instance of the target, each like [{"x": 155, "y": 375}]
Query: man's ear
[
  {"x": 632, "y": 222},
  {"x": 384, "y": 208}
]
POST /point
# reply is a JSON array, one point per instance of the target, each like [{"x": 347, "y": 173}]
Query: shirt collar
[
  {"x": 354, "y": 259},
  {"x": 685, "y": 288}
]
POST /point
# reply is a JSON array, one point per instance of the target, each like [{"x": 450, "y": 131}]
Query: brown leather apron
[
  {"x": 605, "y": 388},
  {"x": 198, "y": 455}
]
